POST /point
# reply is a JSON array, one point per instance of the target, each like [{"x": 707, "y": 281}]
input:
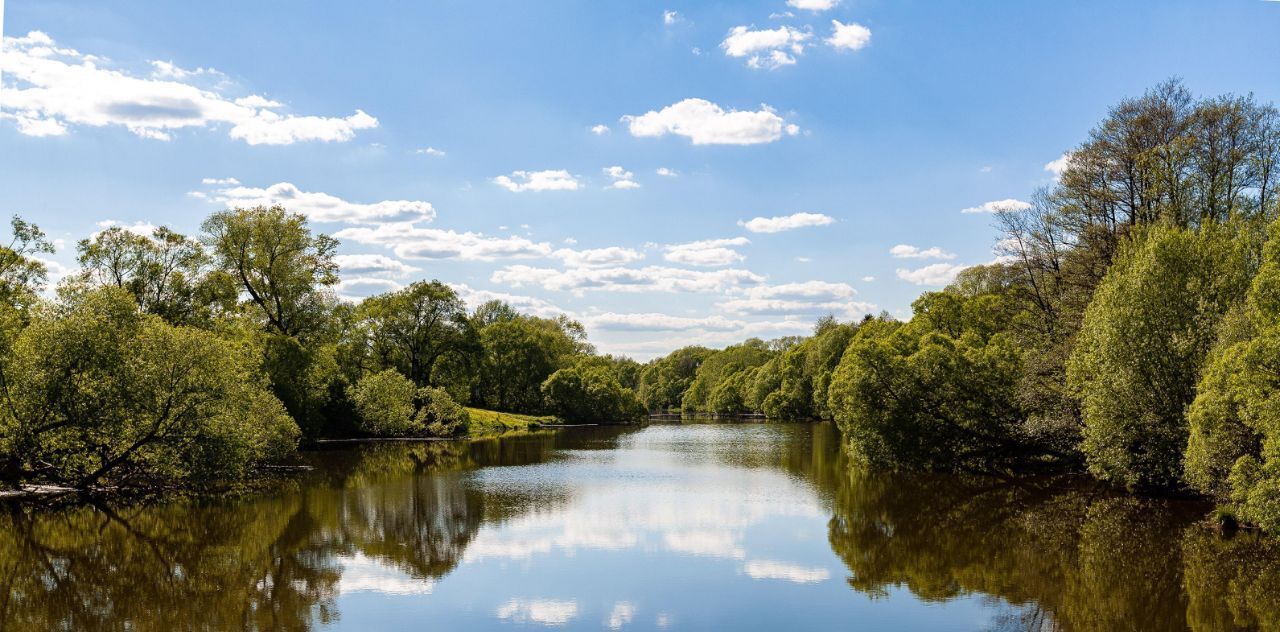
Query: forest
[{"x": 1129, "y": 328}]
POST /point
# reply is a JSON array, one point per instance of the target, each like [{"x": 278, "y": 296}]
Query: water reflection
[{"x": 670, "y": 526}]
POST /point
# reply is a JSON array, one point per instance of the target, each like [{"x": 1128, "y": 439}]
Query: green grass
[{"x": 491, "y": 422}]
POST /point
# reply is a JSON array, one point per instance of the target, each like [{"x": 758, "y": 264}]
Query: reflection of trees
[
  {"x": 268, "y": 562},
  {"x": 251, "y": 565},
  {"x": 1064, "y": 557}
]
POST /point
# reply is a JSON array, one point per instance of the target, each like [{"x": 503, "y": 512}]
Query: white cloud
[
  {"x": 765, "y": 48},
  {"x": 786, "y": 222},
  {"x": 765, "y": 569},
  {"x": 706, "y": 123},
  {"x": 620, "y": 279},
  {"x": 905, "y": 251},
  {"x": 813, "y": 5},
  {"x": 525, "y": 304},
  {"x": 352, "y": 289},
  {"x": 548, "y": 180},
  {"x": 622, "y": 179},
  {"x": 548, "y": 612},
  {"x": 50, "y": 89},
  {"x": 803, "y": 259},
  {"x": 808, "y": 298},
  {"x": 998, "y": 206},
  {"x": 1058, "y": 166},
  {"x": 670, "y": 17},
  {"x": 224, "y": 181},
  {"x": 936, "y": 274},
  {"x": 431, "y": 151},
  {"x": 373, "y": 264},
  {"x": 410, "y": 241},
  {"x": 140, "y": 228},
  {"x": 322, "y": 207},
  {"x": 707, "y": 252},
  {"x": 666, "y": 173},
  {"x": 868, "y": 279},
  {"x": 600, "y": 130},
  {"x": 851, "y": 36},
  {"x": 661, "y": 322},
  {"x": 984, "y": 169},
  {"x": 597, "y": 257}
]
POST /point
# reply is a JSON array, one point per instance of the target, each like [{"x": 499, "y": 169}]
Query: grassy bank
[{"x": 491, "y": 422}]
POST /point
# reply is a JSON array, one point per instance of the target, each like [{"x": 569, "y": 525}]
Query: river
[{"x": 696, "y": 526}]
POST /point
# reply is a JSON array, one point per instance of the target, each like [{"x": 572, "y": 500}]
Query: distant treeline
[
  {"x": 167, "y": 360},
  {"x": 1130, "y": 327}
]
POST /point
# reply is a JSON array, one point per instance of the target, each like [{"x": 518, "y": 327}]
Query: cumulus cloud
[
  {"x": 786, "y": 222},
  {"x": 622, "y": 179},
  {"x": 813, "y": 5},
  {"x": 50, "y": 89},
  {"x": 597, "y": 257},
  {"x": 808, "y": 298},
  {"x": 660, "y": 322},
  {"x": 707, "y": 252},
  {"x": 1058, "y": 165},
  {"x": 621, "y": 279},
  {"x": 905, "y": 251},
  {"x": 765, "y": 48},
  {"x": 373, "y": 264},
  {"x": 140, "y": 228},
  {"x": 354, "y": 288},
  {"x": 548, "y": 180},
  {"x": 666, "y": 173},
  {"x": 525, "y": 304},
  {"x": 936, "y": 274},
  {"x": 320, "y": 207},
  {"x": 431, "y": 151},
  {"x": 410, "y": 241},
  {"x": 670, "y": 17},
  {"x": 851, "y": 36},
  {"x": 600, "y": 130},
  {"x": 998, "y": 206},
  {"x": 705, "y": 123}
]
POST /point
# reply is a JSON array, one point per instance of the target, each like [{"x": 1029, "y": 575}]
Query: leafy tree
[
  {"x": 280, "y": 265},
  {"x": 663, "y": 382},
  {"x": 22, "y": 275},
  {"x": 102, "y": 393},
  {"x": 520, "y": 354},
  {"x": 1143, "y": 343},
  {"x": 590, "y": 391},
  {"x": 414, "y": 328},
  {"x": 388, "y": 404},
  {"x": 719, "y": 367}
]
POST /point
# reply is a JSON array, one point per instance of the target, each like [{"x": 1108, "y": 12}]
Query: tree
[
  {"x": 103, "y": 393},
  {"x": 22, "y": 275},
  {"x": 164, "y": 271},
  {"x": 1143, "y": 343},
  {"x": 663, "y": 382},
  {"x": 589, "y": 391},
  {"x": 281, "y": 266},
  {"x": 389, "y": 405},
  {"x": 413, "y": 328},
  {"x": 520, "y": 354}
]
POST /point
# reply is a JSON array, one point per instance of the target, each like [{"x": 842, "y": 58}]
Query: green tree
[
  {"x": 415, "y": 328},
  {"x": 1143, "y": 343},
  {"x": 390, "y": 405},
  {"x": 103, "y": 393},
  {"x": 280, "y": 265},
  {"x": 590, "y": 391},
  {"x": 520, "y": 354},
  {"x": 663, "y": 381},
  {"x": 22, "y": 274}
]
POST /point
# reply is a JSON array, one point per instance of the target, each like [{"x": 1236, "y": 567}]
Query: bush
[
  {"x": 102, "y": 393},
  {"x": 590, "y": 393},
  {"x": 388, "y": 405}
]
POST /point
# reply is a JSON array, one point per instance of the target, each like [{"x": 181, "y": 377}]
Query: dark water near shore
[{"x": 695, "y": 526}]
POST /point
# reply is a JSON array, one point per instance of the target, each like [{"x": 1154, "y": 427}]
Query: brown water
[{"x": 696, "y": 526}]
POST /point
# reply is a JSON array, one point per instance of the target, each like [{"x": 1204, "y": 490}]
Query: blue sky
[{"x": 863, "y": 127}]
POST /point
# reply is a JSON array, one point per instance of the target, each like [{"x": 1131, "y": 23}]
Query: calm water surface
[{"x": 696, "y": 526}]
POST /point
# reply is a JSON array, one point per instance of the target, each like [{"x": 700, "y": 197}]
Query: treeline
[
  {"x": 168, "y": 359},
  {"x": 1130, "y": 327}
]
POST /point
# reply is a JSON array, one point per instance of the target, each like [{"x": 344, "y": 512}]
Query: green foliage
[
  {"x": 389, "y": 405},
  {"x": 520, "y": 354},
  {"x": 935, "y": 393},
  {"x": 102, "y": 393},
  {"x": 590, "y": 391},
  {"x": 663, "y": 382},
  {"x": 22, "y": 275},
  {"x": 1144, "y": 340},
  {"x": 415, "y": 328},
  {"x": 716, "y": 372}
]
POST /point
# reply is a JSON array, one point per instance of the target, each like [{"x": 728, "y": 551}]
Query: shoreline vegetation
[{"x": 1128, "y": 329}]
